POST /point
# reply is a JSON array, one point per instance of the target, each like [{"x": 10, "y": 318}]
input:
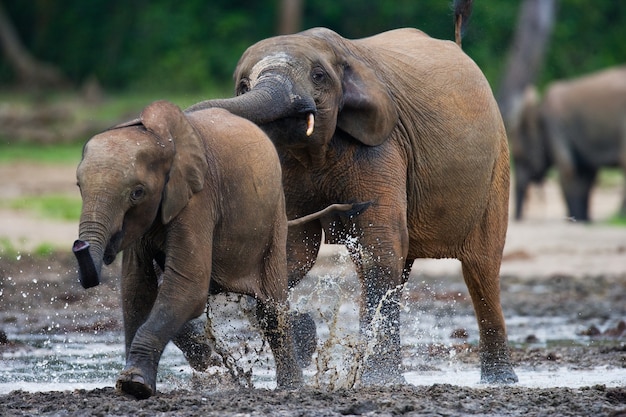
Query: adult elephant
[
  {"x": 579, "y": 127},
  {"x": 410, "y": 123}
]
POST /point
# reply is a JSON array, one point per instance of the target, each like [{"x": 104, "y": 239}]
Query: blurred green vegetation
[
  {"x": 48, "y": 206},
  {"x": 65, "y": 153},
  {"x": 9, "y": 250},
  {"x": 191, "y": 46}
]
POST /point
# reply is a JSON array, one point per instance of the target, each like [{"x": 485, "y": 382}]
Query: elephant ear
[
  {"x": 369, "y": 112},
  {"x": 189, "y": 165}
]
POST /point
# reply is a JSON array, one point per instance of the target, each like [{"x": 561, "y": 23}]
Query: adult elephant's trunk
[{"x": 273, "y": 98}]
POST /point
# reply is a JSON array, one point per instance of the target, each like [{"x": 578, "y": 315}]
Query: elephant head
[
  {"x": 127, "y": 176},
  {"x": 302, "y": 88},
  {"x": 529, "y": 147}
]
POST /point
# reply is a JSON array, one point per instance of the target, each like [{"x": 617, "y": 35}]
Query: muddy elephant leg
[
  {"x": 196, "y": 347},
  {"x": 302, "y": 325},
  {"x": 303, "y": 244},
  {"x": 481, "y": 276},
  {"x": 382, "y": 277},
  {"x": 275, "y": 324},
  {"x": 304, "y": 337},
  {"x": 174, "y": 306}
]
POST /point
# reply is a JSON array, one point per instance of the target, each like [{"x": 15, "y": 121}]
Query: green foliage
[
  {"x": 44, "y": 250},
  {"x": 50, "y": 206},
  {"x": 168, "y": 45},
  {"x": 617, "y": 220},
  {"x": 588, "y": 36},
  {"x": 7, "y": 249},
  {"x": 55, "y": 154},
  {"x": 610, "y": 177}
]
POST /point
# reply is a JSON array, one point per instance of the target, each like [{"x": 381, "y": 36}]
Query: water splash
[{"x": 239, "y": 376}]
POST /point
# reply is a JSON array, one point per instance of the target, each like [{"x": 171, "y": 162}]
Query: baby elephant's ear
[{"x": 189, "y": 166}]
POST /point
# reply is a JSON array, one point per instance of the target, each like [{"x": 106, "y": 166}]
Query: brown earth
[{"x": 552, "y": 267}]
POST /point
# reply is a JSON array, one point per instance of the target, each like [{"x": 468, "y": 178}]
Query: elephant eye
[
  {"x": 318, "y": 75},
  {"x": 243, "y": 87},
  {"x": 137, "y": 194}
]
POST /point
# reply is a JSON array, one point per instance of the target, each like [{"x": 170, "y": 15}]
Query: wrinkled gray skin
[
  {"x": 200, "y": 196},
  {"x": 579, "y": 127},
  {"x": 410, "y": 123}
]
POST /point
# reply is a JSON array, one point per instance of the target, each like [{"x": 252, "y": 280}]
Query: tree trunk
[
  {"x": 290, "y": 16},
  {"x": 534, "y": 26},
  {"x": 30, "y": 72}
]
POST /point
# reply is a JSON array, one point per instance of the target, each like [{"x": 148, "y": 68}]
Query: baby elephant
[{"x": 200, "y": 195}]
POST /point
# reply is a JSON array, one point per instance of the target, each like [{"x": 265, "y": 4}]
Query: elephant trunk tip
[
  {"x": 80, "y": 245},
  {"x": 89, "y": 276}
]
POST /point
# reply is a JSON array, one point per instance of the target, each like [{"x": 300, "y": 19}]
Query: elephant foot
[
  {"x": 304, "y": 337},
  {"x": 495, "y": 365},
  {"x": 379, "y": 374},
  {"x": 501, "y": 374},
  {"x": 377, "y": 378},
  {"x": 292, "y": 381},
  {"x": 132, "y": 382}
]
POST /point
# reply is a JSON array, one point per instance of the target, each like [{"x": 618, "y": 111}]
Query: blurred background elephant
[
  {"x": 578, "y": 127},
  {"x": 201, "y": 196},
  {"x": 407, "y": 122}
]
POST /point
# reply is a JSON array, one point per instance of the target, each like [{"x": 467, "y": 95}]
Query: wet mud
[{"x": 557, "y": 323}]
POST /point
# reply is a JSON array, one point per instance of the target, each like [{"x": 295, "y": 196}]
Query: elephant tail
[{"x": 462, "y": 13}]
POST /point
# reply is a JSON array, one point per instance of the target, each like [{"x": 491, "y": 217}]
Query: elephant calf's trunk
[{"x": 88, "y": 271}]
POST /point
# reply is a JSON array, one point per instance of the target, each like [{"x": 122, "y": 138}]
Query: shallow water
[
  {"x": 93, "y": 360},
  {"x": 549, "y": 314},
  {"x": 87, "y": 362}
]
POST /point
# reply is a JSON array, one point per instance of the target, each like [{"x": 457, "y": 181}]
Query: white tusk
[{"x": 310, "y": 124}]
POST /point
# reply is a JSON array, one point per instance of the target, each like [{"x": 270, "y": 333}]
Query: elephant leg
[
  {"x": 521, "y": 189},
  {"x": 139, "y": 288},
  {"x": 382, "y": 278},
  {"x": 192, "y": 340},
  {"x": 482, "y": 280},
  {"x": 302, "y": 324},
  {"x": 275, "y": 324},
  {"x": 304, "y": 337},
  {"x": 174, "y": 306},
  {"x": 303, "y": 245},
  {"x": 577, "y": 192},
  {"x": 196, "y": 347}
]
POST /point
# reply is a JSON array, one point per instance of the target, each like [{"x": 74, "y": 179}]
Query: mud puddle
[{"x": 439, "y": 337}]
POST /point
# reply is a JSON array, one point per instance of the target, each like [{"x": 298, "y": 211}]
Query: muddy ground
[{"x": 552, "y": 269}]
